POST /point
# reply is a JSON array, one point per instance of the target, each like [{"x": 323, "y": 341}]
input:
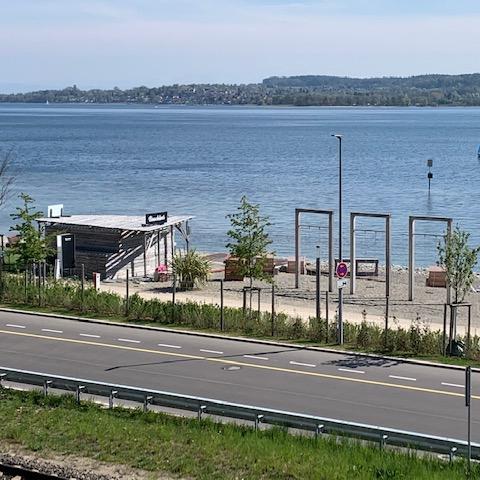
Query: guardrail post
[
  {"x": 113, "y": 394},
  {"x": 383, "y": 440},
  {"x": 2, "y": 376},
  {"x": 80, "y": 389},
  {"x": 318, "y": 430},
  {"x": 146, "y": 402},
  {"x": 46, "y": 384},
  {"x": 201, "y": 409},
  {"x": 258, "y": 419},
  {"x": 451, "y": 454}
]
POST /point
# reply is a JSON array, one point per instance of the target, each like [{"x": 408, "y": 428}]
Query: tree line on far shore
[{"x": 306, "y": 90}]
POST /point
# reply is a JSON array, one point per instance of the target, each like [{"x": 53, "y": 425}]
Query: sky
[{"x": 126, "y": 43}]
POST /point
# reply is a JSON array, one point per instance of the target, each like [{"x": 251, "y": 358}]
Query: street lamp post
[{"x": 340, "y": 257}]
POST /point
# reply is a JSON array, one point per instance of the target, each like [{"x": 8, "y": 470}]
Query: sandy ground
[{"x": 368, "y": 302}]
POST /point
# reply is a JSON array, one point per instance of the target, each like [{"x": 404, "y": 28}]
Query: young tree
[
  {"x": 458, "y": 260},
  {"x": 249, "y": 240},
  {"x": 31, "y": 247}
]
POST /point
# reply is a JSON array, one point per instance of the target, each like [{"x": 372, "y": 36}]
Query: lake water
[{"x": 201, "y": 160}]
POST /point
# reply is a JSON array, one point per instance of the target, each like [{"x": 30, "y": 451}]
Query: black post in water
[
  {"x": 222, "y": 317},
  {"x": 82, "y": 283},
  {"x": 468, "y": 397},
  {"x": 318, "y": 312},
  {"x": 273, "y": 309},
  {"x": 127, "y": 293}
]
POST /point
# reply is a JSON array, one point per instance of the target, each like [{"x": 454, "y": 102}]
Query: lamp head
[{"x": 337, "y": 135}]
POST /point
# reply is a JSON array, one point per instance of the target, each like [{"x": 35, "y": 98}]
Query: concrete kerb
[{"x": 240, "y": 339}]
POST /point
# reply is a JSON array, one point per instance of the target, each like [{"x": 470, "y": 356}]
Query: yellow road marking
[{"x": 243, "y": 364}]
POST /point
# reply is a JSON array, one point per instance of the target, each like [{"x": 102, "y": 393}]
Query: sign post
[
  {"x": 468, "y": 397},
  {"x": 342, "y": 272}
]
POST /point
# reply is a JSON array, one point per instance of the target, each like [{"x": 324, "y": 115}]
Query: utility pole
[{"x": 340, "y": 257}]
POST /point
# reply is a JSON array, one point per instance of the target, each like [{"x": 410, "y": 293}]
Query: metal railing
[{"x": 257, "y": 415}]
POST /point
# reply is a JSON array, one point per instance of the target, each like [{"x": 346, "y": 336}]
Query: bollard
[
  {"x": 451, "y": 454},
  {"x": 318, "y": 430},
  {"x": 113, "y": 394},
  {"x": 201, "y": 409},
  {"x": 258, "y": 419},
  {"x": 80, "y": 389},
  {"x": 146, "y": 402},
  {"x": 383, "y": 441},
  {"x": 46, "y": 385}
]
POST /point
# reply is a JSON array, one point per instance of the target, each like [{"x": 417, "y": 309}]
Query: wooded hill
[{"x": 305, "y": 90}]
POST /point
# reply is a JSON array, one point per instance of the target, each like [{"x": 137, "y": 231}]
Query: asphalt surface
[{"x": 387, "y": 393}]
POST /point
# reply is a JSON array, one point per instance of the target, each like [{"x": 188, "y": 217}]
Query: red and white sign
[{"x": 342, "y": 270}]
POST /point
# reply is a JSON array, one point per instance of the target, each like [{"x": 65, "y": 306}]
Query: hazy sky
[{"x": 106, "y": 43}]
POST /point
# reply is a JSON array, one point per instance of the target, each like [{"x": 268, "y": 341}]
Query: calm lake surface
[{"x": 201, "y": 160}]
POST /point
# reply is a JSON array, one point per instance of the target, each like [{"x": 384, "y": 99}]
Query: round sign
[{"x": 342, "y": 270}]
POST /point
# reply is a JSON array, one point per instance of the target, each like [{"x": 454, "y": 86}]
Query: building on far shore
[{"x": 111, "y": 244}]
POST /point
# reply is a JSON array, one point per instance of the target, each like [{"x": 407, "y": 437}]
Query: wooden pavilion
[{"x": 111, "y": 244}]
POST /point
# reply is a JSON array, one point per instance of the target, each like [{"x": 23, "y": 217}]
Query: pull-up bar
[
  {"x": 411, "y": 248},
  {"x": 353, "y": 262},
  {"x": 298, "y": 212}
]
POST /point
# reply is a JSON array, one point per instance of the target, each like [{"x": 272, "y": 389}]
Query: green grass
[{"x": 201, "y": 450}]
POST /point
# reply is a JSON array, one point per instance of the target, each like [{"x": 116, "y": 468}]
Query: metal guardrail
[{"x": 257, "y": 415}]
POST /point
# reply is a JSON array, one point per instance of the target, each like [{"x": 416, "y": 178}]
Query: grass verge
[{"x": 201, "y": 450}]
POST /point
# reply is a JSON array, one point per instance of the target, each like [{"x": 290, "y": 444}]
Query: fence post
[
  {"x": 327, "y": 300},
  {"x": 222, "y": 317},
  {"x": 273, "y": 309},
  {"x": 174, "y": 293},
  {"x": 146, "y": 402},
  {"x": 82, "y": 283},
  {"x": 127, "y": 293},
  {"x": 318, "y": 430},
  {"x": 244, "y": 306},
  {"x": 259, "y": 295},
  {"x": 383, "y": 440},
  {"x": 25, "y": 284},
  {"x": 444, "y": 337},
  {"x": 317, "y": 287},
  {"x": 201, "y": 409},
  {"x": 46, "y": 384},
  {"x": 387, "y": 308},
  {"x": 39, "y": 269},
  {"x": 258, "y": 419},
  {"x": 113, "y": 394},
  {"x": 80, "y": 389}
]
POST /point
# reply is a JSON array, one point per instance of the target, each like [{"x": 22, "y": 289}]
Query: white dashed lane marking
[
  {"x": 89, "y": 335},
  {"x": 166, "y": 345},
  {"x": 300, "y": 364},
  {"x": 255, "y": 357},
  {"x": 128, "y": 340},
  {"x": 403, "y": 378},
  {"x": 453, "y": 385},
  {"x": 350, "y": 370},
  {"x": 211, "y": 351},
  {"x": 51, "y": 331},
  {"x": 12, "y": 325}
]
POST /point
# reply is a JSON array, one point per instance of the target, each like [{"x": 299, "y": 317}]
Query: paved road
[{"x": 375, "y": 391}]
